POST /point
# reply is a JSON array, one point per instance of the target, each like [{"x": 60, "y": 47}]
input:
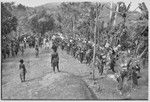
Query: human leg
[
  {"x": 58, "y": 67},
  {"x": 21, "y": 78}
]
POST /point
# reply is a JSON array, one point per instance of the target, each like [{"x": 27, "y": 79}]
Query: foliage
[
  {"x": 77, "y": 19},
  {"x": 144, "y": 10},
  {"x": 8, "y": 21},
  {"x": 21, "y": 7},
  {"x": 41, "y": 22}
]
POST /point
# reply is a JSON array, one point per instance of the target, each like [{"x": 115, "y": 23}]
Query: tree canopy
[
  {"x": 8, "y": 21},
  {"x": 79, "y": 19}
]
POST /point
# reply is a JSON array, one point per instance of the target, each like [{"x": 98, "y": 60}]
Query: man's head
[
  {"x": 21, "y": 61},
  {"x": 54, "y": 49}
]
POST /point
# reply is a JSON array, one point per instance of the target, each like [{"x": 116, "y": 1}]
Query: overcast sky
[{"x": 33, "y": 3}]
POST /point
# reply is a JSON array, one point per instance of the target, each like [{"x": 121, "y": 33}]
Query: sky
[{"x": 33, "y": 3}]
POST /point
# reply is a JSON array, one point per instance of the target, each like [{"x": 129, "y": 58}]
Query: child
[
  {"x": 22, "y": 71},
  {"x": 22, "y": 48},
  {"x": 134, "y": 77},
  {"x": 55, "y": 59},
  {"x": 103, "y": 63},
  {"x": 37, "y": 50},
  {"x": 121, "y": 78},
  {"x": 98, "y": 64},
  {"x": 112, "y": 64}
]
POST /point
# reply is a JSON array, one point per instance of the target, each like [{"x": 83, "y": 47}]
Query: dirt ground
[{"x": 37, "y": 68}]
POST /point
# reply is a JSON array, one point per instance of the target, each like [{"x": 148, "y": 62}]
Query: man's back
[
  {"x": 22, "y": 67},
  {"x": 54, "y": 57}
]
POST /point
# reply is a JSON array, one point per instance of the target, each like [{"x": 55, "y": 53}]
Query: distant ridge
[
  {"x": 53, "y": 7},
  {"x": 49, "y": 5}
]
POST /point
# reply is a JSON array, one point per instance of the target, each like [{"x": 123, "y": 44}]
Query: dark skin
[
  {"x": 112, "y": 64},
  {"x": 37, "y": 49},
  {"x": 22, "y": 74},
  {"x": 55, "y": 60}
]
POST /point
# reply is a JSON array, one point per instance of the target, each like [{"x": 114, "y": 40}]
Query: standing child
[
  {"x": 55, "y": 59},
  {"x": 37, "y": 50},
  {"x": 134, "y": 77},
  {"x": 22, "y": 70},
  {"x": 113, "y": 61},
  {"x": 22, "y": 48},
  {"x": 103, "y": 63}
]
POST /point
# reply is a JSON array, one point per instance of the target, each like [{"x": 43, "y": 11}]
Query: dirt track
[{"x": 38, "y": 68}]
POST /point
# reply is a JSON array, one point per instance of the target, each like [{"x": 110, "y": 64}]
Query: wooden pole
[
  {"x": 95, "y": 44},
  {"x": 111, "y": 10},
  {"x": 111, "y": 16},
  {"x": 72, "y": 26},
  {"x": 117, "y": 8}
]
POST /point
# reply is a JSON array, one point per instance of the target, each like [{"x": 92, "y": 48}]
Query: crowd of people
[
  {"x": 10, "y": 49},
  {"x": 17, "y": 47},
  {"x": 106, "y": 58}
]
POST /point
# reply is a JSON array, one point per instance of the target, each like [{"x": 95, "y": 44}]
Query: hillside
[
  {"x": 49, "y": 6},
  {"x": 104, "y": 14}
]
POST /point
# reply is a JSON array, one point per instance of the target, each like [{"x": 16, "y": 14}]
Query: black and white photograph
[{"x": 74, "y": 50}]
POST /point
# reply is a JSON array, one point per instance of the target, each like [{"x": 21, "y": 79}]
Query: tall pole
[
  {"x": 73, "y": 28},
  {"x": 111, "y": 6},
  {"x": 116, "y": 15},
  {"x": 96, "y": 19},
  {"x": 110, "y": 16}
]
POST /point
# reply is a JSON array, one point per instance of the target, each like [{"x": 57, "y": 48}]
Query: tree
[
  {"x": 21, "y": 7},
  {"x": 9, "y": 22},
  {"x": 69, "y": 13},
  {"x": 144, "y": 10},
  {"x": 41, "y": 22},
  {"x": 121, "y": 10}
]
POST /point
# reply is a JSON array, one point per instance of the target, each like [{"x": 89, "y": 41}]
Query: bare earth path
[
  {"x": 37, "y": 68},
  {"x": 40, "y": 68}
]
